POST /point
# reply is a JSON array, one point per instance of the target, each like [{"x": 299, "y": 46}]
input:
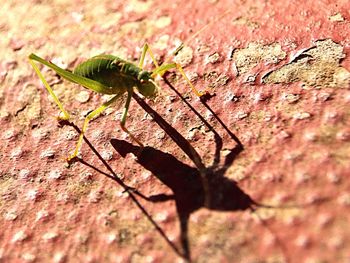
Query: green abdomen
[{"x": 109, "y": 70}]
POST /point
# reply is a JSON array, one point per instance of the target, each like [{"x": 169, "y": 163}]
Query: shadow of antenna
[{"x": 217, "y": 137}]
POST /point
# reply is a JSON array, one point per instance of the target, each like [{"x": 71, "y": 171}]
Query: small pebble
[
  {"x": 184, "y": 56},
  {"x": 47, "y": 154},
  {"x": 19, "y": 237},
  {"x": 301, "y": 115},
  {"x": 83, "y": 96},
  {"x": 50, "y": 236},
  {"x": 213, "y": 58}
]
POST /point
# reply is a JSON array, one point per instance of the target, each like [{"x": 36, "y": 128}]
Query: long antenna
[{"x": 177, "y": 50}]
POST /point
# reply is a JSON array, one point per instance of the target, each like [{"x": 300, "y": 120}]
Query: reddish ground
[{"x": 275, "y": 132}]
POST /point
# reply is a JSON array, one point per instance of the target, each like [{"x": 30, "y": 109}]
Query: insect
[{"x": 108, "y": 74}]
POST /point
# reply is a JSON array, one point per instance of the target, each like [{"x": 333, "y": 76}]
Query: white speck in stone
[
  {"x": 50, "y": 236},
  {"x": 310, "y": 136},
  {"x": 19, "y": 236},
  {"x": 42, "y": 215},
  {"x": 324, "y": 96},
  {"x": 333, "y": 177},
  {"x": 28, "y": 257},
  {"x": 83, "y": 96},
  {"x": 302, "y": 241},
  {"x": 346, "y": 97},
  {"x": 47, "y": 154},
  {"x": 16, "y": 153},
  {"x": 32, "y": 194},
  {"x": 337, "y": 17},
  {"x": 301, "y": 115},
  {"x": 344, "y": 199},
  {"x": 324, "y": 219},
  {"x": 24, "y": 174},
  {"x": 146, "y": 175},
  {"x": 70, "y": 135},
  {"x": 162, "y": 217},
  {"x": 193, "y": 76},
  {"x": 283, "y": 135},
  {"x": 213, "y": 58},
  {"x": 343, "y": 135},
  {"x": 111, "y": 238},
  {"x": 107, "y": 155},
  {"x": 82, "y": 238},
  {"x": 55, "y": 175},
  {"x": 10, "y": 216},
  {"x": 291, "y": 98},
  {"x": 160, "y": 134},
  {"x": 59, "y": 62},
  {"x": 268, "y": 116},
  {"x": 77, "y": 17},
  {"x": 59, "y": 257},
  {"x": 241, "y": 115},
  {"x": 292, "y": 155},
  {"x": 302, "y": 177},
  {"x": 95, "y": 196},
  {"x": 39, "y": 134},
  {"x": 161, "y": 43},
  {"x": 108, "y": 111},
  {"x": 8, "y": 134},
  {"x": 121, "y": 194},
  {"x": 61, "y": 116},
  {"x": 257, "y": 97},
  {"x": 97, "y": 134},
  {"x": 63, "y": 198},
  {"x": 184, "y": 56},
  {"x": 330, "y": 115}
]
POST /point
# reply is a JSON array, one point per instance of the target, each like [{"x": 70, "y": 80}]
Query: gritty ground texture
[{"x": 277, "y": 133}]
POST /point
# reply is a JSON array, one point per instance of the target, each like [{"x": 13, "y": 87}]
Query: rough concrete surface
[{"x": 256, "y": 172}]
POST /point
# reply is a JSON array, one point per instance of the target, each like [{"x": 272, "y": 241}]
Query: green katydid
[{"x": 108, "y": 74}]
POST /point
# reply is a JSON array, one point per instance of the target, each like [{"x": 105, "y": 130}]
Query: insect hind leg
[{"x": 66, "y": 115}]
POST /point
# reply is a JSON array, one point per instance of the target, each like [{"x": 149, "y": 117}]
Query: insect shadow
[{"x": 186, "y": 182}]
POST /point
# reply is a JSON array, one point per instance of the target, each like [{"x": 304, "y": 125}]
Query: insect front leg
[
  {"x": 166, "y": 67},
  {"x": 146, "y": 49},
  {"x": 90, "y": 116},
  {"x": 49, "y": 89},
  {"x": 160, "y": 70},
  {"x": 123, "y": 119}
]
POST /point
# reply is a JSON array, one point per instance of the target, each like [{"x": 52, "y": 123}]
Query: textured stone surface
[{"x": 280, "y": 75}]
